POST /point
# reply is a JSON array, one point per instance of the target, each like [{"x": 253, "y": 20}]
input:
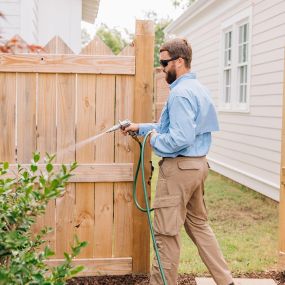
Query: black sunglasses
[{"x": 164, "y": 62}]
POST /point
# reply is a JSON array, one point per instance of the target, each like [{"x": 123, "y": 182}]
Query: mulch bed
[{"x": 184, "y": 279}]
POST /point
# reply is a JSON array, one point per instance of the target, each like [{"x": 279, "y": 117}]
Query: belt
[{"x": 180, "y": 155}]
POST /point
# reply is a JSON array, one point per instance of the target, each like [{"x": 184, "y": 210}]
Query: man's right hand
[{"x": 132, "y": 127}]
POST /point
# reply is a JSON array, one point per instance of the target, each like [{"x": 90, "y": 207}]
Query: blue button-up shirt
[{"x": 186, "y": 122}]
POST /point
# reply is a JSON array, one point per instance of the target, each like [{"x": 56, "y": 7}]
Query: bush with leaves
[{"x": 22, "y": 199}]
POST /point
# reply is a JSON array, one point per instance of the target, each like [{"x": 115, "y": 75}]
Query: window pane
[
  {"x": 244, "y": 95},
  {"x": 240, "y": 93},
  {"x": 227, "y": 99},
  {"x": 244, "y": 52},
  {"x": 240, "y": 34},
  {"x": 230, "y": 39},
  {"x": 226, "y": 58},
  {"x": 242, "y": 84},
  {"x": 227, "y": 48},
  {"x": 245, "y": 35},
  {"x": 227, "y": 86},
  {"x": 241, "y": 74},
  {"x": 243, "y": 46},
  {"x": 227, "y": 77},
  {"x": 227, "y": 64}
]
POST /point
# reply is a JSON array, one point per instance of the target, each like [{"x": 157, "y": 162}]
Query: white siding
[
  {"x": 62, "y": 18},
  {"x": 247, "y": 149},
  {"x": 29, "y": 21},
  {"x": 10, "y": 26},
  {"x": 38, "y": 21},
  {"x": 20, "y": 19}
]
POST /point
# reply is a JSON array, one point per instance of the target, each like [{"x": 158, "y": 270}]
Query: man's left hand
[{"x": 153, "y": 134}]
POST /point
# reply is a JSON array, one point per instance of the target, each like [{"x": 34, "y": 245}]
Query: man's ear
[{"x": 181, "y": 61}]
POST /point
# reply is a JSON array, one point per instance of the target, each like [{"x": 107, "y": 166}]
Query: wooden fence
[
  {"x": 161, "y": 92},
  {"x": 50, "y": 102}
]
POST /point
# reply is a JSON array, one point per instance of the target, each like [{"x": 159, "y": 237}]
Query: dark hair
[{"x": 178, "y": 48}]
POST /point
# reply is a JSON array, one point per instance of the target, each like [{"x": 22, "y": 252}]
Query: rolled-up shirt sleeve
[
  {"x": 144, "y": 128},
  {"x": 182, "y": 127}
]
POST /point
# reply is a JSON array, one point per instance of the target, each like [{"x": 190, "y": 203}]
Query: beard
[{"x": 171, "y": 76}]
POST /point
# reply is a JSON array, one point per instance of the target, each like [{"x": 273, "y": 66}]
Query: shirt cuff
[{"x": 143, "y": 129}]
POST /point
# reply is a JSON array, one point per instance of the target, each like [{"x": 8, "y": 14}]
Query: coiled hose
[{"x": 147, "y": 208}]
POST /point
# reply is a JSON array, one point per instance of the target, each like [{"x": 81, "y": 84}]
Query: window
[
  {"x": 235, "y": 62},
  {"x": 227, "y": 66}
]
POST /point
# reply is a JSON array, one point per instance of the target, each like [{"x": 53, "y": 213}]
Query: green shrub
[{"x": 22, "y": 199}]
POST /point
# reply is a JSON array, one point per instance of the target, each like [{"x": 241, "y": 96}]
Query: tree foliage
[
  {"x": 112, "y": 38},
  {"x": 182, "y": 3},
  {"x": 85, "y": 37}
]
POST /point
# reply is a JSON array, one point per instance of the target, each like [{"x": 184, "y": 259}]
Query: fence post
[
  {"x": 282, "y": 187},
  {"x": 144, "y": 53}
]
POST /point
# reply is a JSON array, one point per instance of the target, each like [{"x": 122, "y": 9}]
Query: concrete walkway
[{"x": 238, "y": 281}]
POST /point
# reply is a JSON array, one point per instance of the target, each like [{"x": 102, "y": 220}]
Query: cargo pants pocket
[
  {"x": 189, "y": 165},
  {"x": 166, "y": 215}
]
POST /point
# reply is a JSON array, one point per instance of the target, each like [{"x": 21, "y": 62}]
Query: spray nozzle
[{"x": 122, "y": 125}]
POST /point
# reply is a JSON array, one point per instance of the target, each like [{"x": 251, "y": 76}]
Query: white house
[
  {"x": 238, "y": 53},
  {"x": 38, "y": 21}
]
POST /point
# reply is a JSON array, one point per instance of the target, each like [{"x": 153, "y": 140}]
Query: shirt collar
[{"x": 188, "y": 75}]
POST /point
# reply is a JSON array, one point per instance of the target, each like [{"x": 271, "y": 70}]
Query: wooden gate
[{"x": 53, "y": 100}]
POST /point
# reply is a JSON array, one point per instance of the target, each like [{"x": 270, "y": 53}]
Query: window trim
[{"x": 233, "y": 24}]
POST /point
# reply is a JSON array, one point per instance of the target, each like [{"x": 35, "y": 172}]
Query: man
[{"x": 183, "y": 138}]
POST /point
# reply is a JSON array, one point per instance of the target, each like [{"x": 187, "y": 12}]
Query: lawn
[{"x": 244, "y": 221}]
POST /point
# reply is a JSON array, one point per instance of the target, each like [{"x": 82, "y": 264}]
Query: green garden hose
[{"x": 147, "y": 209}]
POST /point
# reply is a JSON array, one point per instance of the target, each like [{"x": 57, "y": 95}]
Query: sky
[{"x": 121, "y": 14}]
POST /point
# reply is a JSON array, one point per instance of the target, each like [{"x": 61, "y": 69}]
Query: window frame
[{"x": 233, "y": 24}]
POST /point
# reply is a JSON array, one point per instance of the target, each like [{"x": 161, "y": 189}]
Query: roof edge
[
  {"x": 190, "y": 12},
  {"x": 90, "y": 10}
]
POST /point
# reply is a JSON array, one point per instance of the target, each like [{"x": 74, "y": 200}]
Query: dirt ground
[{"x": 184, "y": 279}]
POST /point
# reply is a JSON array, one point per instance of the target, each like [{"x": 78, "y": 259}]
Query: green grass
[{"x": 244, "y": 221}]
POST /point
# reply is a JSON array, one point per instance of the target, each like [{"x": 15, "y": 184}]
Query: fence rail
[{"x": 52, "y": 63}]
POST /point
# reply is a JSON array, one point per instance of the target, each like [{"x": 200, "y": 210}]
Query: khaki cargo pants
[{"x": 179, "y": 200}]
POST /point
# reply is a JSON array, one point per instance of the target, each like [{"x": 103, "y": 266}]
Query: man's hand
[
  {"x": 132, "y": 127},
  {"x": 153, "y": 134}
]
